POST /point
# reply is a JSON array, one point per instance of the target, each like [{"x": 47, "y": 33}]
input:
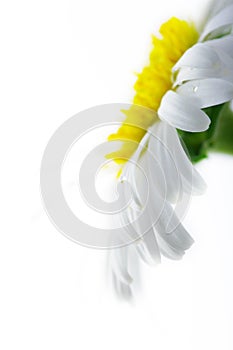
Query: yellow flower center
[{"x": 153, "y": 82}]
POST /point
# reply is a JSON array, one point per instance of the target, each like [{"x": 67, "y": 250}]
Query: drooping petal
[
  {"x": 209, "y": 92},
  {"x": 172, "y": 237},
  {"x": 123, "y": 290},
  {"x": 130, "y": 168},
  {"x": 170, "y": 227},
  {"x": 165, "y": 160},
  {"x": 165, "y": 226},
  {"x": 191, "y": 181},
  {"x": 119, "y": 257},
  {"x": 157, "y": 230},
  {"x": 148, "y": 248},
  {"x": 183, "y": 112},
  {"x": 140, "y": 229},
  {"x": 146, "y": 244},
  {"x": 166, "y": 235}
]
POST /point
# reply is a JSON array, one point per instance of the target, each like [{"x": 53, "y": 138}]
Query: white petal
[
  {"x": 119, "y": 262},
  {"x": 170, "y": 227},
  {"x": 147, "y": 245},
  {"x": 192, "y": 182},
  {"x": 190, "y": 178},
  {"x": 131, "y": 167},
  {"x": 183, "y": 112},
  {"x": 206, "y": 61},
  {"x": 174, "y": 243},
  {"x": 222, "y": 19},
  {"x": 123, "y": 291},
  {"x": 216, "y": 6},
  {"x": 155, "y": 171},
  {"x": 210, "y": 92},
  {"x": 224, "y": 71},
  {"x": 168, "y": 251},
  {"x": 227, "y": 61},
  {"x": 187, "y": 74},
  {"x": 148, "y": 248},
  {"x": 165, "y": 161},
  {"x": 198, "y": 56},
  {"x": 223, "y": 44}
]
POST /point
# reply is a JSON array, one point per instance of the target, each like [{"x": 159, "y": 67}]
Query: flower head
[
  {"x": 187, "y": 73},
  {"x": 153, "y": 82}
]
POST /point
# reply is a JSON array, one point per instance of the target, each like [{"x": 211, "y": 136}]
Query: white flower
[{"x": 203, "y": 77}]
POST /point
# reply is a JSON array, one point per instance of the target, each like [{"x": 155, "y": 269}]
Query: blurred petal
[
  {"x": 119, "y": 257},
  {"x": 222, "y": 19}
]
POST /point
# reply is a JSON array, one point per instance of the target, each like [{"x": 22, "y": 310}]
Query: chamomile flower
[{"x": 187, "y": 73}]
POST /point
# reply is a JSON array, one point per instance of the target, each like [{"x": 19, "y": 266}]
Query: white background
[{"x": 58, "y": 58}]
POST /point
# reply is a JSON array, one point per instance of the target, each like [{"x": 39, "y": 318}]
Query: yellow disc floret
[{"x": 153, "y": 82}]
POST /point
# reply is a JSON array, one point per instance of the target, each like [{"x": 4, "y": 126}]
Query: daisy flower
[{"x": 187, "y": 82}]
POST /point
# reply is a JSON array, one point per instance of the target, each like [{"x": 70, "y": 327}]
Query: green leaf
[
  {"x": 222, "y": 139},
  {"x": 219, "y": 136}
]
